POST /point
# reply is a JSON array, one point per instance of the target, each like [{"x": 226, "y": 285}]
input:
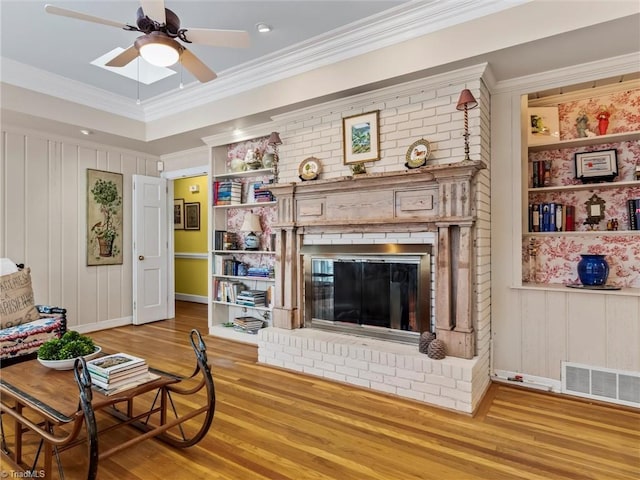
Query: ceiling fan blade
[
  {"x": 154, "y": 9},
  {"x": 196, "y": 67},
  {"x": 123, "y": 58},
  {"x": 82, "y": 16},
  {"x": 218, "y": 38}
]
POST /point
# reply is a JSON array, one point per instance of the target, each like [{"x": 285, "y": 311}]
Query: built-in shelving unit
[
  {"x": 223, "y": 312},
  {"x": 547, "y": 254}
]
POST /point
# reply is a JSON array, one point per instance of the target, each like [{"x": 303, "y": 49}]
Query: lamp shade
[
  {"x": 466, "y": 99},
  {"x": 274, "y": 139},
  {"x": 158, "y": 49},
  {"x": 251, "y": 223}
]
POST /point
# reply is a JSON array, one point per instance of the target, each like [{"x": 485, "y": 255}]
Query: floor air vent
[{"x": 603, "y": 384}]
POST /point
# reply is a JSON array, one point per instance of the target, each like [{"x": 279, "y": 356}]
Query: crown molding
[
  {"x": 405, "y": 22},
  {"x": 575, "y": 74},
  {"x": 31, "y": 78}
]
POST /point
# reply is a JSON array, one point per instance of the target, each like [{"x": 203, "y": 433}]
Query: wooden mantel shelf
[
  {"x": 436, "y": 198},
  {"x": 432, "y": 194}
]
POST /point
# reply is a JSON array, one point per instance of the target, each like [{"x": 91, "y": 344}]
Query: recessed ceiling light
[
  {"x": 84, "y": 131},
  {"x": 263, "y": 27}
]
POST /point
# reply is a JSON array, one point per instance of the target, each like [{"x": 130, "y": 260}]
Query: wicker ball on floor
[
  {"x": 436, "y": 350},
  {"x": 425, "y": 339}
]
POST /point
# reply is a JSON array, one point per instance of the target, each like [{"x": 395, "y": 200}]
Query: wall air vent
[{"x": 604, "y": 384}]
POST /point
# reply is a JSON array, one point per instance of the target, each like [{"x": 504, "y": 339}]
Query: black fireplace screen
[{"x": 351, "y": 292}]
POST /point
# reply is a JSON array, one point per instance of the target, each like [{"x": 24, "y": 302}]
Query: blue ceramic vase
[{"x": 593, "y": 270}]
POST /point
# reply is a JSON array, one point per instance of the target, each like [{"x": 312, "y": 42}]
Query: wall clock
[{"x": 309, "y": 168}]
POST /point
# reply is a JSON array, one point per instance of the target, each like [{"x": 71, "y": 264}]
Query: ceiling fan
[{"x": 158, "y": 45}]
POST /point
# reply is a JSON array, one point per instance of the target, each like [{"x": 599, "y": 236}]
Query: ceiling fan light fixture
[{"x": 158, "y": 49}]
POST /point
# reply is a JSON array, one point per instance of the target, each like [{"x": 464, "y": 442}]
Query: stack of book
[
  {"x": 227, "y": 192},
  {"x": 252, "y": 298},
  {"x": 261, "y": 193},
  {"x": 117, "y": 372},
  {"x": 247, "y": 324},
  {"x": 264, "y": 272}
]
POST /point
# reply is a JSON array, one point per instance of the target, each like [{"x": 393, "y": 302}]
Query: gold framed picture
[{"x": 361, "y": 137}]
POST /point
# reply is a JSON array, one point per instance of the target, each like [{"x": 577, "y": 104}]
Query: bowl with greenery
[{"x": 61, "y": 353}]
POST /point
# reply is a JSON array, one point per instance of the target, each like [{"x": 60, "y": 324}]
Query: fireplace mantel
[{"x": 436, "y": 198}]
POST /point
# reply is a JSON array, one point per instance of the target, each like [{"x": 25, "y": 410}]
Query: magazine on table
[{"x": 110, "y": 364}]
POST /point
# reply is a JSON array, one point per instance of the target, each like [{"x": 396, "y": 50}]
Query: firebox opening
[{"x": 380, "y": 291}]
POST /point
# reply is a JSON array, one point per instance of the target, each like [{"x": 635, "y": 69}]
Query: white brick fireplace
[{"x": 433, "y": 205}]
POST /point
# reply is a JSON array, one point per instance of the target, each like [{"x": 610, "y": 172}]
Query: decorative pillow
[{"x": 16, "y": 299}]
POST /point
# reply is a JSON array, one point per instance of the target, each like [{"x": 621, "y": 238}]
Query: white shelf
[
  {"x": 556, "y": 287},
  {"x": 243, "y": 252},
  {"x": 260, "y": 309},
  {"x": 248, "y": 279},
  {"x": 248, "y": 205},
  {"x": 586, "y": 186},
  {"x": 586, "y": 141},
  {"x": 585, "y": 233},
  {"x": 229, "y": 333},
  {"x": 245, "y": 173}
]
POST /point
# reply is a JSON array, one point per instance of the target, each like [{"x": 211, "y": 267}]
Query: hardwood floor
[{"x": 275, "y": 424}]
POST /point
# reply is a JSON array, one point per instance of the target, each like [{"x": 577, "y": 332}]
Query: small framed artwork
[
  {"x": 601, "y": 165},
  {"x": 178, "y": 214},
  {"x": 192, "y": 216},
  {"x": 544, "y": 125},
  {"x": 361, "y": 137}
]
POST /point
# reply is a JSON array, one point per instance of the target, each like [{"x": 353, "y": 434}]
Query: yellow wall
[{"x": 191, "y": 274}]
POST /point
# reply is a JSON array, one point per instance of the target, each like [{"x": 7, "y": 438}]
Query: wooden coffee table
[{"x": 60, "y": 408}]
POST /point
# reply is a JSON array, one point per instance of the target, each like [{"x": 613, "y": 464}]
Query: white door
[{"x": 150, "y": 249}]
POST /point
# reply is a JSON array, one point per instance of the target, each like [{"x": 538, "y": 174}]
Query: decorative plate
[
  {"x": 310, "y": 168},
  {"x": 418, "y": 154},
  {"x": 68, "y": 363}
]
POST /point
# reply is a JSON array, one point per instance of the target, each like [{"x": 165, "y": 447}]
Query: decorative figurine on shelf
[
  {"x": 582, "y": 124},
  {"x": 603, "y": 119}
]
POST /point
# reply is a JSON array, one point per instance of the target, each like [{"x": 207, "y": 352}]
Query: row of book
[
  {"x": 541, "y": 173},
  {"x": 227, "y": 265},
  {"x": 227, "y": 290},
  {"x": 223, "y": 240},
  {"x": 118, "y": 372},
  {"x": 633, "y": 207},
  {"x": 551, "y": 217}
]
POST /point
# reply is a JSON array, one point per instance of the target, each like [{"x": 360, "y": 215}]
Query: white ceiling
[{"x": 51, "y": 55}]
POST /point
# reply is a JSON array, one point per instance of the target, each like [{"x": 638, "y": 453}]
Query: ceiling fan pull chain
[
  {"x": 181, "y": 69},
  {"x": 138, "y": 80}
]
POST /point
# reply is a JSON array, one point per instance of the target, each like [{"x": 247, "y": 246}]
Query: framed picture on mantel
[{"x": 361, "y": 137}]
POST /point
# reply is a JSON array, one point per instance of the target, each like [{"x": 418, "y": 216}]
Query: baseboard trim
[
  {"x": 94, "y": 327},
  {"x": 186, "y": 297},
  {"x": 528, "y": 381}
]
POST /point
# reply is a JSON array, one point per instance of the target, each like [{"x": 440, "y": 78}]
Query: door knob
[{"x": 141, "y": 257}]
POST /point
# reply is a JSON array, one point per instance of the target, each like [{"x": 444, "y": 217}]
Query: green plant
[{"x": 70, "y": 345}]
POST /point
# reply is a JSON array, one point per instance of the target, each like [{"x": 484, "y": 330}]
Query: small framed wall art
[
  {"x": 598, "y": 166},
  {"x": 178, "y": 213},
  {"x": 192, "y": 216},
  {"x": 361, "y": 138}
]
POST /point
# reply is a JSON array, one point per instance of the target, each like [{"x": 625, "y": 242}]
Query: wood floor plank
[{"x": 274, "y": 424}]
